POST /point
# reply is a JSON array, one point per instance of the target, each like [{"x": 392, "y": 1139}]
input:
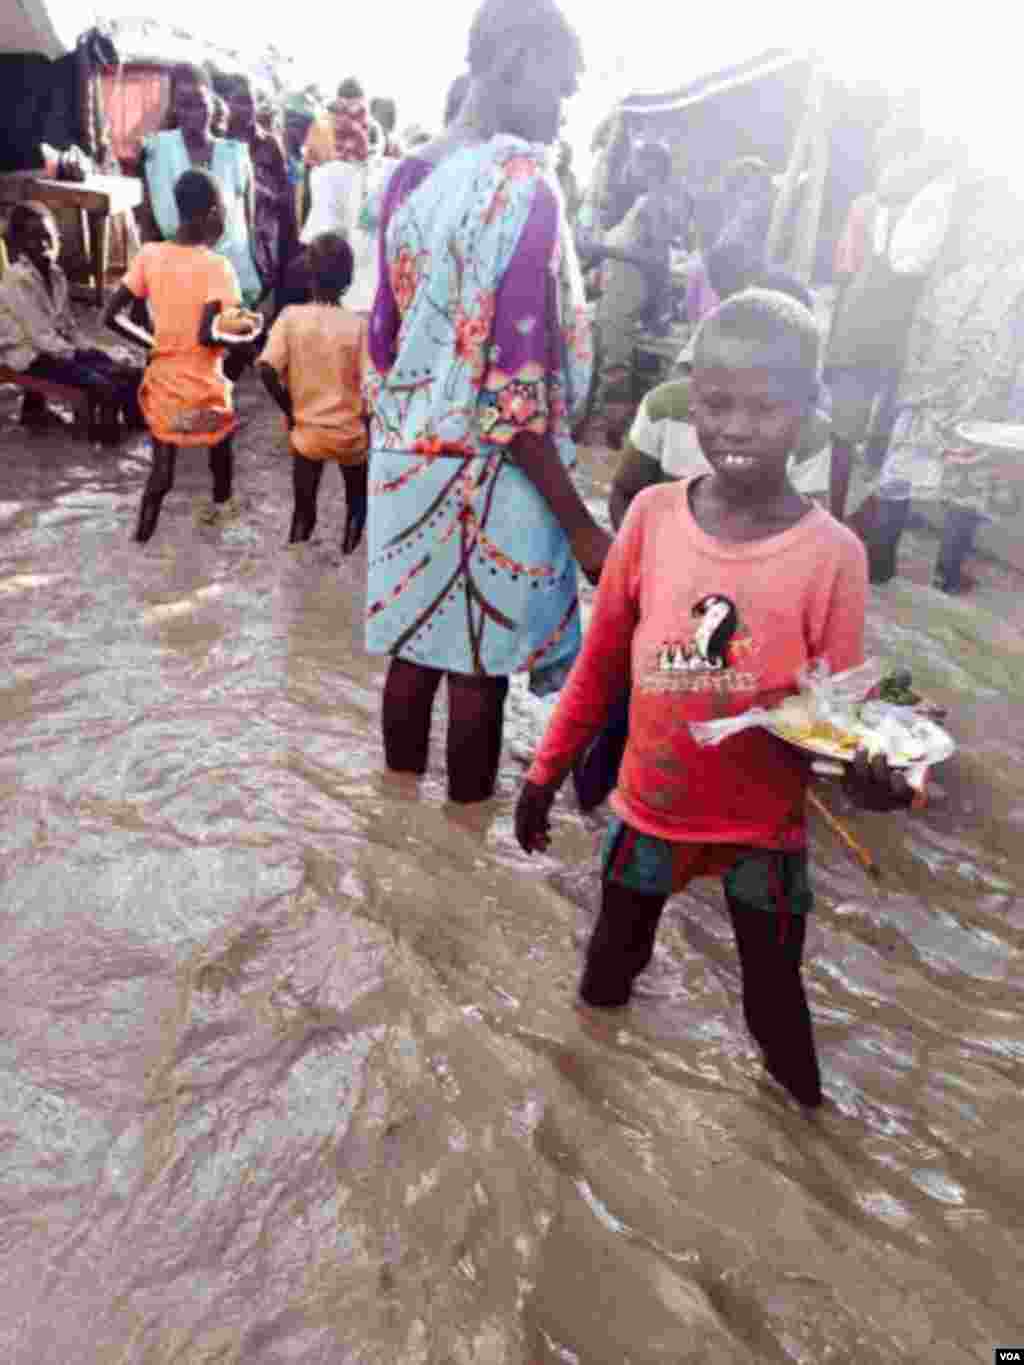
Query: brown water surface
[{"x": 289, "y": 1064}]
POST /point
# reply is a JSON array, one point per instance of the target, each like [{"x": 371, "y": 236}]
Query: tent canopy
[{"x": 754, "y": 108}]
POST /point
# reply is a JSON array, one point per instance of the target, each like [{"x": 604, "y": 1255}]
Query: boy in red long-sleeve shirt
[{"x": 715, "y": 594}]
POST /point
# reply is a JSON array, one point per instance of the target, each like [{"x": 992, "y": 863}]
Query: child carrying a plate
[
  {"x": 717, "y": 591},
  {"x": 185, "y": 396}
]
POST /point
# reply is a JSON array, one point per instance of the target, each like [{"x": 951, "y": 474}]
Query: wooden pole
[
  {"x": 805, "y": 238},
  {"x": 784, "y": 200}
]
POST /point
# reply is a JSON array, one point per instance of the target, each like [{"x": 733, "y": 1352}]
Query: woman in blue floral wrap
[{"x": 479, "y": 354}]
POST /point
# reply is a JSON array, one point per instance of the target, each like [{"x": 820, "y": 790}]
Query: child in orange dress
[
  {"x": 312, "y": 367},
  {"x": 185, "y": 395}
]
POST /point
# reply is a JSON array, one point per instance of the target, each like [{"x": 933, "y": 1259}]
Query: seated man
[{"x": 38, "y": 334}]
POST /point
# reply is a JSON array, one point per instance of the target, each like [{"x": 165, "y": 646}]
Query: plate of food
[
  {"x": 1007, "y": 436},
  {"x": 236, "y": 324},
  {"x": 901, "y": 733}
]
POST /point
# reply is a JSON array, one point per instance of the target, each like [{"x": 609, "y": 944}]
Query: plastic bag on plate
[{"x": 824, "y": 696}]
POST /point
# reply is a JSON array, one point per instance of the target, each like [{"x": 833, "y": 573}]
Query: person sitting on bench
[{"x": 39, "y": 336}]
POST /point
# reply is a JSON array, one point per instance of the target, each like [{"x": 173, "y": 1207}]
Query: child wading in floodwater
[
  {"x": 312, "y": 367},
  {"x": 185, "y": 395},
  {"x": 717, "y": 591}
]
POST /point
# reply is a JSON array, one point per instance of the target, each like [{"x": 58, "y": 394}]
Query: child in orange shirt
[
  {"x": 717, "y": 591},
  {"x": 185, "y": 395},
  {"x": 312, "y": 367}
]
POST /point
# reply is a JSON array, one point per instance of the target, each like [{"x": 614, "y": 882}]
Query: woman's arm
[
  {"x": 538, "y": 458},
  {"x": 636, "y": 472},
  {"x": 525, "y": 360},
  {"x": 595, "y": 683}
]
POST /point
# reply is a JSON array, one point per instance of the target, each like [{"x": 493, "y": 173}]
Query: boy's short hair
[
  {"x": 350, "y": 89},
  {"x": 21, "y": 215},
  {"x": 196, "y": 192},
  {"x": 331, "y": 263},
  {"x": 770, "y": 322}
]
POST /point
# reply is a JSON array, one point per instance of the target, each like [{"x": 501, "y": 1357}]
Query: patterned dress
[
  {"x": 478, "y": 334},
  {"x": 965, "y": 361}
]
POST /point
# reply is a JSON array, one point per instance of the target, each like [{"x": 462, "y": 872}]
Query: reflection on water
[{"x": 289, "y": 1065}]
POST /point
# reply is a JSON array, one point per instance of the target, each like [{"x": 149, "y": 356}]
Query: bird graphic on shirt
[{"x": 718, "y": 621}]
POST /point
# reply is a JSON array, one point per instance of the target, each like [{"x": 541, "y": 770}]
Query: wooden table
[{"x": 99, "y": 198}]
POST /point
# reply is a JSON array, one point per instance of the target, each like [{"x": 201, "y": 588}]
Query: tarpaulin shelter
[
  {"x": 51, "y": 96},
  {"x": 49, "y": 89},
  {"x": 786, "y": 108}
]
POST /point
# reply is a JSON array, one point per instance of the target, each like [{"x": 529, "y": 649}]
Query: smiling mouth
[{"x": 732, "y": 460}]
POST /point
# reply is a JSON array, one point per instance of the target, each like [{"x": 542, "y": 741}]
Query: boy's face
[
  {"x": 39, "y": 242},
  {"x": 748, "y": 415}
]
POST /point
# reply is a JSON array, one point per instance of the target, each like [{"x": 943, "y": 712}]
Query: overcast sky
[{"x": 966, "y": 58}]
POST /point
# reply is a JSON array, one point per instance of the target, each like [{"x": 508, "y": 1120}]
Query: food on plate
[
  {"x": 797, "y": 721},
  {"x": 237, "y": 322},
  {"x": 897, "y": 688},
  {"x": 903, "y": 736}
]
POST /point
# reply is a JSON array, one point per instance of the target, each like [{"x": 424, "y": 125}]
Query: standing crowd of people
[{"x": 429, "y": 332}]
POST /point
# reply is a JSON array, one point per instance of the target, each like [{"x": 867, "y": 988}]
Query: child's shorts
[{"x": 768, "y": 879}]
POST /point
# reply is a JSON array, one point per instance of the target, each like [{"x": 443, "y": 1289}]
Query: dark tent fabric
[{"x": 57, "y": 102}]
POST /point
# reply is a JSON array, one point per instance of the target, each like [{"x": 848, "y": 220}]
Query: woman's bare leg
[
  {"x": 405, "y": 715},
  {"x": 476, "y": 714}
]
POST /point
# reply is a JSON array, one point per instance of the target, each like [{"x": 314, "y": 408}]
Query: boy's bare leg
[
  {"x": 222, "y": 467},
  {"x": 306, "y": 475},
  {"x": 621, "y": 945},
  {"x": 158, "y": 485},
  {"x": 774, "y": 1003}
]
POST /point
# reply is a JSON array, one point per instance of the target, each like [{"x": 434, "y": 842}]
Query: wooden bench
[{"x": 80, "y": 400}]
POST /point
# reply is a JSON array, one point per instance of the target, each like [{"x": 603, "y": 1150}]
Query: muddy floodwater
[{"x": 290, "y": 1072}]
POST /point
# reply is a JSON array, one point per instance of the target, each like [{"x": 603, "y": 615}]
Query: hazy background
[{"x": 964, "y": 60}]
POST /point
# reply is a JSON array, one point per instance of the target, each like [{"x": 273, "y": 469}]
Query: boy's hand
[
  {"x": 532, "y": 823},
  {"x": 873, "y": 784}
]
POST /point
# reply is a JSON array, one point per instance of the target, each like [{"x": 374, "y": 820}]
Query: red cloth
[
  {"x": 853, "y": 247},
  {"x": 779, "y": 603}
]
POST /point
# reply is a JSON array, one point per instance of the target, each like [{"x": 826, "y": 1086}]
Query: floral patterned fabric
[
  {"x": 478, "y": 333},
  {"x": 965, "y": 361}
]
